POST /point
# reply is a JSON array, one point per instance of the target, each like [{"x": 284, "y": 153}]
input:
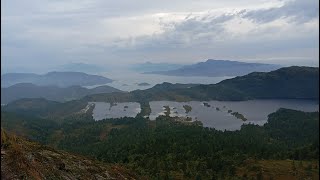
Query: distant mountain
[
  {"x": 81, "y": 67},
  {"x": 285, "y": 83},
  {"x": 54, "y": 93},
  {"x": 149, "y": 67},
  {"x": 217, "y": 68},
  {"x": 62, "y": 79}
]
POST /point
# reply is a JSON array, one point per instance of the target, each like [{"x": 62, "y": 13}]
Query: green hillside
[{"x": 167, "y": 148}]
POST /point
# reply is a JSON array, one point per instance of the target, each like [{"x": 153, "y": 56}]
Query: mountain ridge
[
  {"x": 215, "y": 68},
  {"x": 50, "y": 92},
  {"x": 62, "y": 79}
]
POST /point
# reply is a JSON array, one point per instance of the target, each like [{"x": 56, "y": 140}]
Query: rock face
[{"x": 22, "y": 159}]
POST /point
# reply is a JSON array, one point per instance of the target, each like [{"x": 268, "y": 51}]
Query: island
[
  {"x": 206, "y": 104},
  {"x": 239, "y": 116},
  {"x": 187, "y": 108},
  {"x": 167, "y": 110}
]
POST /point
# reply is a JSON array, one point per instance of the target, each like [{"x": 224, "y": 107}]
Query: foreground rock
[{"x": 22, "y": 159}]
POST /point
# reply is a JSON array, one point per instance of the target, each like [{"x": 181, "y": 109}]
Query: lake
[
  {"x": 256, "y": 111},
  {"x": 216, "y": 116},
  {"x": 103, "y": 110}
]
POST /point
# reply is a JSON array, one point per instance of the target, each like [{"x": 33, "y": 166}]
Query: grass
[{"x": 23, "y": 159}]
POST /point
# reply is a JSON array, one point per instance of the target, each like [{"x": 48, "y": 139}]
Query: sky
[{"x": 37, "y": 34}]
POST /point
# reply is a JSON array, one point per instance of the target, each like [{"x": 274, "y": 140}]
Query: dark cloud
[{"x": 299, "y": 11}]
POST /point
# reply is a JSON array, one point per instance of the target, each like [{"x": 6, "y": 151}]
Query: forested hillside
[{"x": 166, "y": 148}]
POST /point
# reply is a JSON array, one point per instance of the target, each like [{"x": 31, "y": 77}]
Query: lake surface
[
  {"x": 129, "y": 81},
  {"x": 214, "y": 114},
  {"x": 103, "y": 110},
  {"x": 256, "y": 111}
]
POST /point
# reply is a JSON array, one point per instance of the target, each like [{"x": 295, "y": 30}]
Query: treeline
[{"x": 167, "y": 149}]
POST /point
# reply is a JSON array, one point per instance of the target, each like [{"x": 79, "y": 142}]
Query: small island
[
  {"x": 187, "y": 108},
  {"x": 143, "y": 84},
  {"x": 167, "y": 110},
  {"x": 239, "y": 116},
  {"x": 206, "y": 104}
]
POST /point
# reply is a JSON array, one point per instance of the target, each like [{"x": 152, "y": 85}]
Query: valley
[
  {"x": 187, "y": 131},
  {"x": 160, "y": 90}
]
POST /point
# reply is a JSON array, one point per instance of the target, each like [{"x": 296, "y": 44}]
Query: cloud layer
[{"x": 45, "y": 33}]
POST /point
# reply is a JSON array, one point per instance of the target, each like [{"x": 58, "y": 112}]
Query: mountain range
[
  {"x": 285, "y": 83},
  {"x": 218, "y": 68},
  {"x": 54, "y": 93},
  {"x": 62, "y": 79}
]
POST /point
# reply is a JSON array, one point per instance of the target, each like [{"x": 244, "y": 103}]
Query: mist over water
[{"x": 129, "y": 80}]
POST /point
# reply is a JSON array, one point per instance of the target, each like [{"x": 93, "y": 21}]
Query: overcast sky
[{"x": 43, "y": 33}]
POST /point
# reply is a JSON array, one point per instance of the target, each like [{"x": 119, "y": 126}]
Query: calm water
[
  {"x": 128, "y": 81},
  {"x": 256, "y": 111},
  {"x": 103, "y": 110}
]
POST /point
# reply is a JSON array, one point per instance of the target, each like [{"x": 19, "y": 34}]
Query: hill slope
[
  {"x": 22, "y": 159},
  {"x": 285, "y": 83},
  {"x": 169, "y": 149},
  {"x": 54, "y": 93},
  {"x": 289, "y": 82},
  {"x": 63, "y": 79},
  {"x": 219, "y": 68}
]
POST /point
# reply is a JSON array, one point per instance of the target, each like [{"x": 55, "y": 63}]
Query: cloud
[
  {"x": 299, "y": 11},
  {"x": 232, "y": 35},
  {"x": 111, "y": 32}
]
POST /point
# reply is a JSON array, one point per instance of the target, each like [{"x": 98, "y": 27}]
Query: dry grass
[{"x": 28, "y": 160}]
